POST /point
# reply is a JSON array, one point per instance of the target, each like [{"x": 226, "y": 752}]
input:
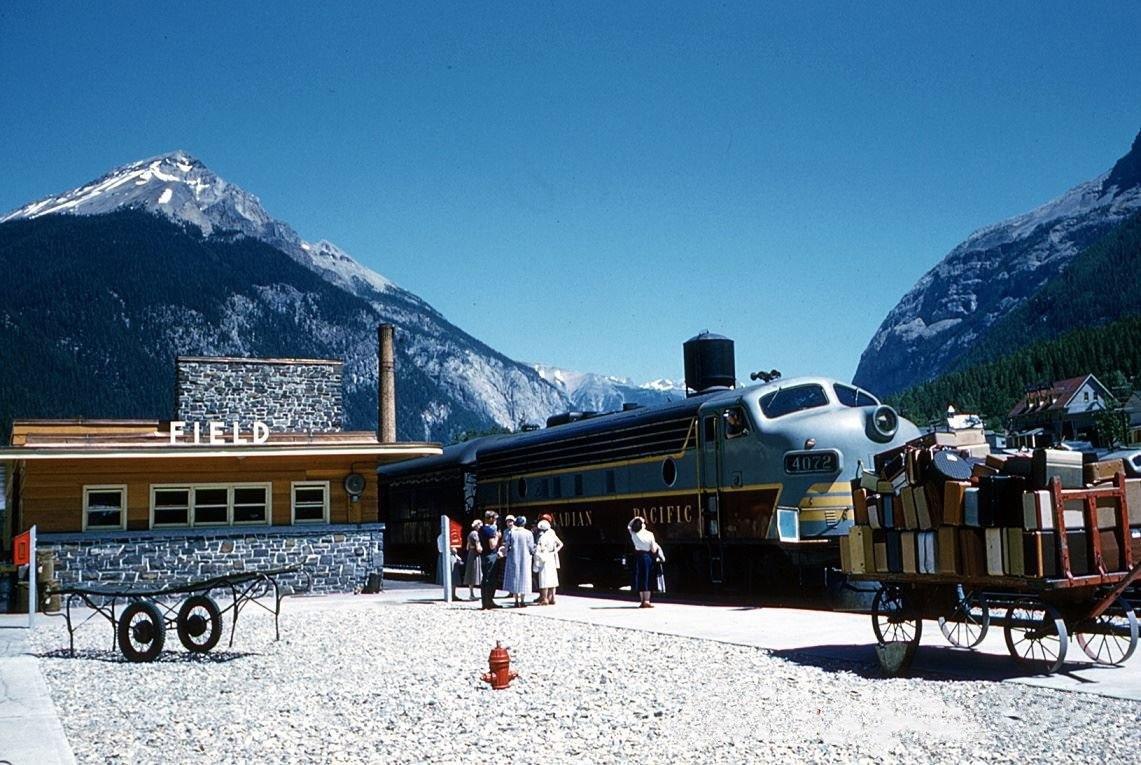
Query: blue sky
[{"x": 589, "y": 184}]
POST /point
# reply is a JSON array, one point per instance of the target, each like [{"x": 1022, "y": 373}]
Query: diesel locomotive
[{"x": 747, "y": 489}]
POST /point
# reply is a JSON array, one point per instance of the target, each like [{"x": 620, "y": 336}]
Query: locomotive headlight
[{"x": 883, "y": 423}]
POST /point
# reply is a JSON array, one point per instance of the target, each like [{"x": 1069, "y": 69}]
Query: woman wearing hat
[
  {"x": 547, "y": 562},
  {"x": 520, "y": 548}
]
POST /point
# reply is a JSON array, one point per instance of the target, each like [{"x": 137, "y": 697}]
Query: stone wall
[
  {"x": 338, "y": 557},
  {"x": 286, "y": 394}
]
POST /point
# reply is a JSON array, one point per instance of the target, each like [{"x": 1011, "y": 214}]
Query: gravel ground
[{"x": 366, "y": 681}]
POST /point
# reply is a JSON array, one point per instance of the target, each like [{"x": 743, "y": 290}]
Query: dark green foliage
[
  {"x": 93, "y": 311},
  {"x": 992, "y": 389}
]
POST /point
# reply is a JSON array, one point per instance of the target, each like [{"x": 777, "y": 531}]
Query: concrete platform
[
  {"x": 812, "y": 636},
  {"x": 30, "y": 730}
]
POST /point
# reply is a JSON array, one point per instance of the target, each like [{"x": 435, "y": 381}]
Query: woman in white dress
[
  {"x": 520, "y": 548},
  {"x": 546, "y": 562}
]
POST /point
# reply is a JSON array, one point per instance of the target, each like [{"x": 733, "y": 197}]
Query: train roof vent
[
  {"x": 709, "y": 363},
  {"x": 568, "y": 417}
]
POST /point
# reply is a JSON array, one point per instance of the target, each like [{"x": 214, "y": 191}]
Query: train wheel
[
  {"x": 199, "y": 623},
  {"x": 141, "y": 631},
  {"x": 968, "y": 622},
  {"x": 897, "y": 629},
  {"x": 1036, "y": 636},
  {"x": 1112, "y": 637}
]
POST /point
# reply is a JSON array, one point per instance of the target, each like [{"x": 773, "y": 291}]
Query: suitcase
[
  {"x": 1013, "y": 555},
  {"x": 890, "y": 462},
  {"x": 981, "y": 469},
  {"x": 874, "y": 514},
  {"x": 954, "y": 494},
  {"x": 1000, "y": 500},
  {"x": 894, "y": 552},
  {"x": 879, "y": 551},
  {"x": 922, "y": 511},
  {"x": 1040, "y": 554},
  {"x": 845, "y": 553},
  {"x": 947, "y": 550},
  {"x": 860, "y": 549},
  {"x": 971, "y": 507},
  {"x": 869, "y": 480},
  {"x": 926, "y": 549},
  {"x": 1135, "y": 544},
  {"x": 1098, "y": 472},
  {"x": 972, "y": 548},
  {"x": 1110, "y": 550},
  {"x": 1108, "y": 512},
  {"x": 993, "y": 537},
  {"x": 1081, "y": 557},
  {"x": 910, "y": 559},
  {"x": 860, "y": 506},
  {"x": 907, "y": 499},
  {"x": 950, "y": 466},
  {"x": 1133, "y": 500},
  {"x": 1048, "y": 463},
  {"x": 1037, "y": 510},
  {"x": 1074, "y": 514},
  {"x": 933, "y": 493},
  {"x": 888, "y": 504}
]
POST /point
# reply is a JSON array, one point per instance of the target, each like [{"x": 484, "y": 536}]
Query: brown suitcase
[
  {"x": 910, "y": 559},
  {"x": 954, "y": 493},
  {"x": 972, "y": 548},
  {"x": 947, "y": 550},
  {"x": 860, "y": 506},
  {"x": 1133, "y": 500},
  {"x": 1013, "y": 554},
  {"x": 1040, "y": 554},
  {"x": 1110, "y": 550},
  {"x": 1098, "y": 472}
]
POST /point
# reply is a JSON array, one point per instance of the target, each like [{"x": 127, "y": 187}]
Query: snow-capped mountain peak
[
  {"x": 180, "y": 187},
  {"x": 589, "y": 391}
]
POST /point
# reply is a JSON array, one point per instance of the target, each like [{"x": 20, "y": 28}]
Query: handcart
[
  {"x": 1038, "y": 615},
  {"x": 190, "y": 609}
]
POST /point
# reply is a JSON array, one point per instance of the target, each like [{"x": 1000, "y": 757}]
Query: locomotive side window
[
  {"x": 735, "y": 423},
  {"x": 710, "y": 429},
  {"x": 796, "y": 399},
  {"x": 851, "y": 396},
  {"x": 669, "y": 471}
]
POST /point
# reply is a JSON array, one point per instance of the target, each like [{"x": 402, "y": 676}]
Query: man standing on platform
[{"x": 489, "y": 538}]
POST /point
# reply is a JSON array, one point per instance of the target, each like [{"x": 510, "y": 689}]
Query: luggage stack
[{"x": 933, "y": 507}]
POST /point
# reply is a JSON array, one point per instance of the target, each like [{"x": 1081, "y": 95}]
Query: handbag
[{"x": 660, "y": 575}]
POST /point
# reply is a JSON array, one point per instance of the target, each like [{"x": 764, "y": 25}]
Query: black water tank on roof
[{"x": 709, "y": 363}]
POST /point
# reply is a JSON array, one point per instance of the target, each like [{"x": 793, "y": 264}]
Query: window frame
[
  {"x": 119, "y": 487},
  {"x": 294, "y": 486},
  {"x": 192, "y": 488}
]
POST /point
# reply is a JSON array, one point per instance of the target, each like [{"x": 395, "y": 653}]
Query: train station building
[{"x": 253, "y": 472}]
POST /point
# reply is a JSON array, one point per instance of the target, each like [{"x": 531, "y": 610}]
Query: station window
[
  {"x": 311, "y": 502},
  {"x": 104, "y": 507},
  {"x": 210, "y": 505}
]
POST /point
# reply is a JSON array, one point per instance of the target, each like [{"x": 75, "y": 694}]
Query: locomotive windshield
[
  {"x": 851, "y": 396},
  {"x": 788, "y": 400}
]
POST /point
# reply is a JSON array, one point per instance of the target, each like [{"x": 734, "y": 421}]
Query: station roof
[{"x": 126, "y": 439}]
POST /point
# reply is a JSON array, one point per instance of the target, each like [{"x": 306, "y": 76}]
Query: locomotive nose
[{"x": 883, "y": 423}]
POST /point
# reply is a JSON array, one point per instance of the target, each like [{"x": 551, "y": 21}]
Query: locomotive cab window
[
  {"x": 735, "y": 423},
  {"x": 852, "y": 396},
  {"x": 796, "y": 399}
]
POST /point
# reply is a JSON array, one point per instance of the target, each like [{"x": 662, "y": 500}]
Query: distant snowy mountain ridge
[{"x": 588, "y": 391}]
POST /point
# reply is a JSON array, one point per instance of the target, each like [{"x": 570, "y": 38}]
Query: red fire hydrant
[{"x": 499, "y": 662}]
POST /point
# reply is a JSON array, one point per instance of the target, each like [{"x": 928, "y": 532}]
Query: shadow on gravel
[
  {"x": 930, "y": 663},
  {"x": 166, "y": 657}
]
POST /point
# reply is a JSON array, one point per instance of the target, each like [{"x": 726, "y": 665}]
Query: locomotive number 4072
[{"x": 811, "y": 462}]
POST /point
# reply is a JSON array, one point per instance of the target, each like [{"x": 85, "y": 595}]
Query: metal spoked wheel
[
  {"x": 141, "y": 631},
  {"x": 897, "y": 630},
  {"x": 199, "y": 623},
  {"x": 1112, "y": 637},
  {"x": 1036, "y": 636},
  {"x": 968, "y": 622}
]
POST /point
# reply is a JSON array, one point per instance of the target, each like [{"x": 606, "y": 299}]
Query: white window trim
[
  {"x": 293, "y": 487},
  {"x": 122, "y": 488},
  {"x": 191, "y": 488}
]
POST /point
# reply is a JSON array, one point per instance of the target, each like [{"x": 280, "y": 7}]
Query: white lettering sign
[{"x": 217, "y": 434}]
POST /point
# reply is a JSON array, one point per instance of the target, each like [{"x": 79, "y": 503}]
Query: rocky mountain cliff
[
  {"x": 110, "y": 281},
  {"x": 955, "y": 304}
]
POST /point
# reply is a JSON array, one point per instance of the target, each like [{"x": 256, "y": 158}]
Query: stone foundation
[{"x": 338, "y": 557}]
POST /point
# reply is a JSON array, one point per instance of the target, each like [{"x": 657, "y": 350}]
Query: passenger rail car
[{"x": 743, "y": 487}]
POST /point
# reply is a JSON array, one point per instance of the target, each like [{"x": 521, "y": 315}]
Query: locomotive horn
[{"x": 772, "y": 374}]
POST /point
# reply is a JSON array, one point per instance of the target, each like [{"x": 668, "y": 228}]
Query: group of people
[{"x": 528, "y": 558}]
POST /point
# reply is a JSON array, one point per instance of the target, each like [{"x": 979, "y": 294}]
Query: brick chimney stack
[{"x": 386, "y": 384}]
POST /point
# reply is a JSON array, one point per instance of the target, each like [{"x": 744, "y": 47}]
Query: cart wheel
[
  {"x": 968, "y": 622},
  {"x": 199, "y": 623},
  {"x": 1112, "y": 637},
  {"x": 1036, "y": 636},
  {"x": 141, "y": 631},
  {"x": 893, "y": 624}
]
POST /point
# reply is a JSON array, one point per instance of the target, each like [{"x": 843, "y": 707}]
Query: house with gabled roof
[{"x": 1064, "y": 410}]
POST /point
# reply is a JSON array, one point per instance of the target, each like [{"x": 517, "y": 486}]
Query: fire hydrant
[{"x": 499, "y": 662}]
